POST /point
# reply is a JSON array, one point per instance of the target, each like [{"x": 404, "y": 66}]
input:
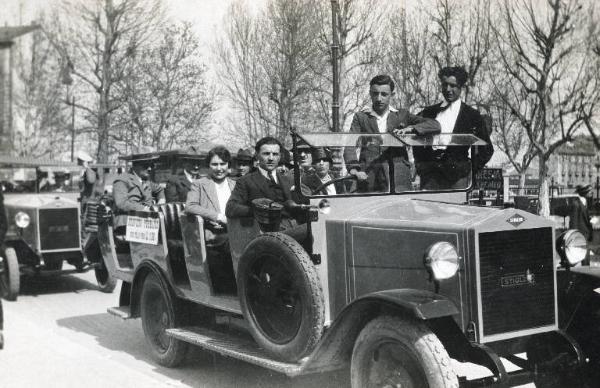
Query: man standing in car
[
  {"x": 383, "y": 118},
  {"x": 449, "y": 168}
]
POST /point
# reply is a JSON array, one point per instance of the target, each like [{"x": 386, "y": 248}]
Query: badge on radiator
[{"x": 516, "y": 220}]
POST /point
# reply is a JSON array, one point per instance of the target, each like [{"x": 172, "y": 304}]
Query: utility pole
[{"x": 335, "y": 46}]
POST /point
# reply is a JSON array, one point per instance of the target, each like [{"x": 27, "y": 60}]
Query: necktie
[{"x": 271, "y": 175}]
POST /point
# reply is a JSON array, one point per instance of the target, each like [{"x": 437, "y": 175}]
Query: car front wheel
[
  {"x": 160, "y": 310},
  {"x": 397, "y": 352},
  {"x": 11, "y": 275}
]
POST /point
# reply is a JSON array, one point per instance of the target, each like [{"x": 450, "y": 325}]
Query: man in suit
[
  {"x": 322, "y": 162},
  {"x": 178, "y": 186},
  {"x": 208, "y": 196},
  {"x": 449, "y": 168},
  {"x": 265, "y": 182},
  {"x": 579, "y": 216},
  {"x": 382, "y": 118},
  {"x": 135, "y": 191}
]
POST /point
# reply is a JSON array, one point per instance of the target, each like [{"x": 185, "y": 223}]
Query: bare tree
[
  {"x": 98, "y": 38},
  {"x": 544, "y": 50},
  {"x": 165, "y": 100},
  {"x": 265, "y": 65},
  {"x": 39, "y": 99}
]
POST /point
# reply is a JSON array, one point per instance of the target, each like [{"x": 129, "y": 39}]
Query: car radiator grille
[
  {"x": 59, "y": 229},
  {"x": 517, "y": 280}
]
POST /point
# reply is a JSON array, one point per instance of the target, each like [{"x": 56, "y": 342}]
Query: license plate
[{"x": 142, "y": 229}]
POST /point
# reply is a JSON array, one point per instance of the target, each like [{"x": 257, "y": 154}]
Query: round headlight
[
  {"x": 22, "y": 219},
  {"x": 572, "y": 247},
  {"x": 442, "y": 260}
]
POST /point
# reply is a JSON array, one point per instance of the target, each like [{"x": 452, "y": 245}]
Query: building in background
[
  {"x": 576, "y": 163},
  {"x": 8, "y": 35}
]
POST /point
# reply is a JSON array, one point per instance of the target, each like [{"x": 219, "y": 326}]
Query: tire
[
  {"x": 281, "y": 296},
  {"x": 160, "y": 310},
  {"x": 393, "y": 352},
  {"x": 106, "y": 282},
  {"x": 11, "y": 277}
]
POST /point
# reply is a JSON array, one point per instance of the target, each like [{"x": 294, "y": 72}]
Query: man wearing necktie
[{"x": 264, "y": 182}]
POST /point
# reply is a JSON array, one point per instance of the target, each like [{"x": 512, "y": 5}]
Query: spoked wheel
[
  {"x": 160, "y": 310},
  {"x": 395, "y": 352},
  {"x": 106, "y": 282},
  {"x": 281, "y": 296},
  {"x": 10, "y": 278}
]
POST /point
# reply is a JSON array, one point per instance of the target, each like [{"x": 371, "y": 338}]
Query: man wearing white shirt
[{"x": 442, "y": 167}]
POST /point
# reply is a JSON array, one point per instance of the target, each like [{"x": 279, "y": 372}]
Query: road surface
[{"x": 58, "y": 334}]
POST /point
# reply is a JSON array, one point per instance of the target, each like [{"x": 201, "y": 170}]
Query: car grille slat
[
  {"x": 517, "y": 280},
  {"x": 59, "y": 229}
]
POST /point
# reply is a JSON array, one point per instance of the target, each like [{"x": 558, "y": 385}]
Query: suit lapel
[
  {"x": 373, "y": 123},
  {"x": 460, "y": 124},
  {"x": 211, "y": 193}
]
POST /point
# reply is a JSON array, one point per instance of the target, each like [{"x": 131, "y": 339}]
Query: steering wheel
[{"x": 335, "y": 180}]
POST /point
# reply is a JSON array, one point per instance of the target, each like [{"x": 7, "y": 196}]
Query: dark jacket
[
  {"x": 312, "y": 181},
  {"x": 366, "y": 122},
  {"x": 469, "y": 121},
  {"x": 254, "y": 185},
  {"x": 177, "y": 188},
  {"x": 579, "y": 218},
  {"x": 131, "y": 194}
]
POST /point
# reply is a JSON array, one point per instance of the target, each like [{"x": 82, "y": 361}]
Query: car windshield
[
  {"x": 41, "y": 179},
  {"x": 356, "y": 163}
]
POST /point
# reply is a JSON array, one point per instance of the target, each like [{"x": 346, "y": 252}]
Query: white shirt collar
[
  {"x": 265, "y": 173},
  {"x": 188, "y": 176},
  {"x": 369, "y": 110},
  {"x": 455, "y": 104}
]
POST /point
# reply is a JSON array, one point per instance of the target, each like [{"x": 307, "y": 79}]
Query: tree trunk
[
  {"x": 544, "y": 195},
  {"x": 522, "y": 178}
]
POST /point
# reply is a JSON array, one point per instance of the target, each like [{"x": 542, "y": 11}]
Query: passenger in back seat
[{"x": 208, "y": 196}]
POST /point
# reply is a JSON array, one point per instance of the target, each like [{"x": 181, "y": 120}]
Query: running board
[
  {"x": 122, "y": 312},
  {"x": 236, "y": 346}
]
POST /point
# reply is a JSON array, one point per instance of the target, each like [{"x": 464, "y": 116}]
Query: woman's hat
[{"x": 583, "y": 190}]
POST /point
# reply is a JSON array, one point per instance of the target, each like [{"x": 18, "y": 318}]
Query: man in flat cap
[
  {"x": 136, "y": 191},
  {"x": 579, "y": 216}
]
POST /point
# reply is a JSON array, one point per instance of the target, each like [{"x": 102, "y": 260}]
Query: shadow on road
[
  {"x": 57, "y": 284},
  {"x": 201, "y": 368}
]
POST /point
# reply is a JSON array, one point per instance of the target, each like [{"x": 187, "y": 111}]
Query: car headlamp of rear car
[
  {"x": 22, "y": 220},
  {"x": 442, "y": 260},
  {"x": 572, "y": 247}
]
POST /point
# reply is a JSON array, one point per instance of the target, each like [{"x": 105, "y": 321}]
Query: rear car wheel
[
  {"x": 160, "y": 310},
  {"x": 106, "y": 282},
  {"x": 11, "y": 275},
  {"x": 396, "y": 352},
  {"x": 281, "y": 296}
]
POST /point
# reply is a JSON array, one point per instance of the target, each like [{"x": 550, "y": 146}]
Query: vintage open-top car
[
  {"x": 41, "y": 199},
  {"x": 392, "y": 280}
]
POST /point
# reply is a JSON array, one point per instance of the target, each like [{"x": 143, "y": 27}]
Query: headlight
[
  {"x": 571, "y": 247},
  {"x": 22, "y": 219},
  {"x": 442, "y": 260}
]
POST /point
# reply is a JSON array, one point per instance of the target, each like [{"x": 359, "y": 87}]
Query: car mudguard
[
  {"x": 335, "y": 348},
  {"x": 135, "y": 288}
]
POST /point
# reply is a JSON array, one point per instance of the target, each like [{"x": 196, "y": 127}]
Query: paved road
[{"x": 58, "y": 334}]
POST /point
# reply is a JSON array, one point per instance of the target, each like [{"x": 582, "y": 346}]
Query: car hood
[
  {"x": 36, "y": 201},
  {"x": 393, "y": 212}
]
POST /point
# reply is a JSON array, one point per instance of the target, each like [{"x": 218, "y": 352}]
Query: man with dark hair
[
  {"x": 382, "y": 118},
  {"x": 446, "y": 168},
  {"x": 264, "y": 182}
]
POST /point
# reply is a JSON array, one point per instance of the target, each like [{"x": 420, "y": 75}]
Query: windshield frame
[{"x": 316, "y": 139}]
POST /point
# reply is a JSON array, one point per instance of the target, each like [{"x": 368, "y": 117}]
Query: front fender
[
  {"x": 335, "y": 348},
  {"x": 135, "y": 289}
]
